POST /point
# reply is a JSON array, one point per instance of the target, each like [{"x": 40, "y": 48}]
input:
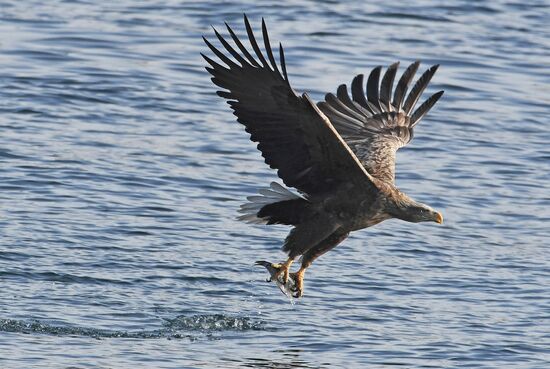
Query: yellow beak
[{"x": 439, "y": 218}]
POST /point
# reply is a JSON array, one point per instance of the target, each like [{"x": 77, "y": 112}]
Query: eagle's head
[
  {"x": 412, "y": 211},
  {"x": 422, "y": 213}
]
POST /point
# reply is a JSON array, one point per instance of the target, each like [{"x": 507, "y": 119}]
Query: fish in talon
[{"x": 274, "y": 269}]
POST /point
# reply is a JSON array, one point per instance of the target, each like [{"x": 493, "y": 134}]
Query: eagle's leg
[
  {"x": 307, "y": 259},
  {"x": 298, "y": 277},
  {"x": 283, "y": 270}
]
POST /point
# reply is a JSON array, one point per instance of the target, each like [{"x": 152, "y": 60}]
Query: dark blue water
[{"x": 121, "y": 173}]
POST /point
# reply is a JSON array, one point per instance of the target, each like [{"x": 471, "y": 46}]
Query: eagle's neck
[{"x": 399, "y": 205}]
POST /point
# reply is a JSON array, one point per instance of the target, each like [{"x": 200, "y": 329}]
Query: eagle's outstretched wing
[
  {"x": 373, "y": 125},
  {"x": 293, "y": 135}
]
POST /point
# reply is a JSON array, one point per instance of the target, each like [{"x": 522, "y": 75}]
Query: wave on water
[{"x": 191, "y": 327}]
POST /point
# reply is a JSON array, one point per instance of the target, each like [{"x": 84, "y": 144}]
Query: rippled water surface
[{"x": 121, "y": 172}]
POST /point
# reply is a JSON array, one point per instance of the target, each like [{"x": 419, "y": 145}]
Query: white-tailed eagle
[{"x": 338, "y": 154}]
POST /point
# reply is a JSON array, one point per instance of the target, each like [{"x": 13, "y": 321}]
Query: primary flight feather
[{"x": 338, "y": 154}]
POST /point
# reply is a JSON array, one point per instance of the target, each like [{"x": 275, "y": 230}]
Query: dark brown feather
[
  {"x": 403, "y": 85},
  {"x": 372, "y": 89},
  {"x": 387, "y": 86},
  {"x": 418, "y": 88}
]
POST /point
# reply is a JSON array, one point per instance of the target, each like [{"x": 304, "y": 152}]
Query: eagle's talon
[
  {"x": 298, "y": 287},
  {"x": 297, "y": 293},
  {"x": 282, "y": 272}
]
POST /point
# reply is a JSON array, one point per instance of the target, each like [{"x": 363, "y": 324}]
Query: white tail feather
[{"x": 275, "y": 193}]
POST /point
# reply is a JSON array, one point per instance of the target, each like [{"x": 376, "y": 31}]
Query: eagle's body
[{"x": 338, "y": 154}]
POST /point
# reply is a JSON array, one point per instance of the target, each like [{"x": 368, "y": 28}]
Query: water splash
[
  {"x": 179, "y": 327},
  {"x": 214, "y": 323}
]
